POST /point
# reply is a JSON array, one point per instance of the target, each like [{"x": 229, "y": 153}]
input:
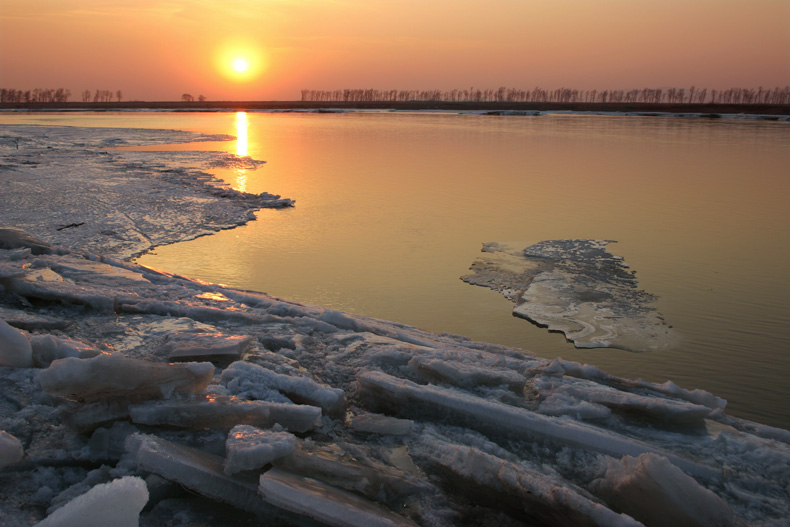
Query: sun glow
[
  {"x": 240, "y": 61},
  {"x": 240, "y": 65}
]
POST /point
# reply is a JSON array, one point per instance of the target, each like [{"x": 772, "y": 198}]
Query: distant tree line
[
  {"x": 56, "y": 95},
  {"x": 561, "y": 95},
  {"x": 188, "y": 97},
  {"x": 37, "y": 95}
]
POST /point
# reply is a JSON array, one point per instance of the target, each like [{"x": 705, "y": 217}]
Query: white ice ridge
[
  {"x": 388, "y": 420},
  {"x": 578, "y": 288}
]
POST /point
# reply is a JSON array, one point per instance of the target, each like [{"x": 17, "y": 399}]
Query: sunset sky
[{"x": 160, "y": 49}]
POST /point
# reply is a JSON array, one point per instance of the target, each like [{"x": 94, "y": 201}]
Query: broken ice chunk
[
  {"x": 10, "y": 449},
  {"x": 11, "y": 238},
  {"x": 534, "y": 497},
  {"x": 200, "y": 471},
  {"x": 251, "y": 380},
  {"x": 653, "y": 490},
  {"x": 248, "y": 448},
  {"x": 15, "y": 351},
  {"x": 316, "y": 500},
  {"x": 466, "y": 375},
  {"x": 561, "y": 404},
  {"x": 358, "y": 473},
  {"x": 656, "y": 407},
  {"x": 226, "y": 412},
  {"x": 381, "y": 424},
  {"x": 384, "y": 392},
  {"x": 211, "y": 347},
  {"x": 47, "y": 348},
  {"x": 114, "y": 375},
  {"x": 117, "y": 503},
  {"x": 87, "y": 417}
]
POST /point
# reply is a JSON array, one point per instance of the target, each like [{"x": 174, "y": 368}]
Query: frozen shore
[
  {"x": 198, "y": 404},
  {"x": 67, "y": 185}
]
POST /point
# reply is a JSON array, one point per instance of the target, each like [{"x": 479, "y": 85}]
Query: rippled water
[{"x": 391, "y": 209}]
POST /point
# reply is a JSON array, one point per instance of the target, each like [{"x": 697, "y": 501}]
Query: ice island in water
[
  {"x": 134, "y": 396},
  {"x": 578, "y": 288}
]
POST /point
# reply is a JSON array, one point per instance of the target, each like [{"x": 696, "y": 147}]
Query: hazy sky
[{"x": 159, "y": 49}]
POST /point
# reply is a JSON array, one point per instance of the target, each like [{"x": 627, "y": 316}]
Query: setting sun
[
  {"x": 240, "y": 65},
  {"x": 240, "y": 61}
]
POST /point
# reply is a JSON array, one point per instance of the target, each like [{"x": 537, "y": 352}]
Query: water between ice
[{"x": 391, "y": 209}]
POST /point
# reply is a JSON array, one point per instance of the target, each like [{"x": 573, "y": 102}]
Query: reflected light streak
[
  {"x": 241, "y": 134},
  {"x": 241, "y": 149}
]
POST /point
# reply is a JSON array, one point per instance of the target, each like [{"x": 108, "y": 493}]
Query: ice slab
[
  {"x": 117, "y": 503},
  {"x": 248, "y": 447},
  {"x": 656, "y": 492},
  {"x": 578, "y": 288},
  {"x": 199, "y": 471},
  {"x": 533, "y": 497},
  {"x": 381, "y": 424},
  {"x": 117, "y": 376},
  {"x": 15, "y": 350},
  {"x": 400, "y": 396},
  {"x": 466, "y": 375},
  {"x": 89, "y": 416},
  {"x": 11, "y": 449},
  {"x": 215, "y": 347},
  {"x": 252, "y": 380},
  {"x": 326, "y": 504},
  {"x": 351, "y": 469},
  {"x": 47, "y": 348},
  {"x": 226, "y": 412},
  {"x": 659, "y": 408},
  {"x": 12, "y": 238}
]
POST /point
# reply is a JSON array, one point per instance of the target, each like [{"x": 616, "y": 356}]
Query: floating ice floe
[
  {"x": 578, "y": 288},
  {"x": 393, "y": 424}
]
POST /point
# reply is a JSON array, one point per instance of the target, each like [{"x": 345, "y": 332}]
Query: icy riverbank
[
  {"x": 233, "y": 405},
  {"x": 67, "y": 185},
  {"x": 366, "y": 419}
]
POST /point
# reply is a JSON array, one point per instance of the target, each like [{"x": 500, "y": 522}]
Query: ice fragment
[
  {"x": 114, "y": 375},
  {"x": 15, "y": 348},
  {"x": 117, "y": 503},
  {"x": 248, "y": 447}
]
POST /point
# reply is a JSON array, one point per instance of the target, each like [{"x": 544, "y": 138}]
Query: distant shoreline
[{"x": 711, "y": 109}]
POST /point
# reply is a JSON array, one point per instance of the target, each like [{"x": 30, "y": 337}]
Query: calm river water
[{"x": 392, "y": 208}]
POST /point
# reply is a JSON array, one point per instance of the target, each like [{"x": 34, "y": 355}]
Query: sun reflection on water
[{"x": 241, "y": 149}]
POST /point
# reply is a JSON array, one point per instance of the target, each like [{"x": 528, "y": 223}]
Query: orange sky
[{"x": 159, "y": 49}]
